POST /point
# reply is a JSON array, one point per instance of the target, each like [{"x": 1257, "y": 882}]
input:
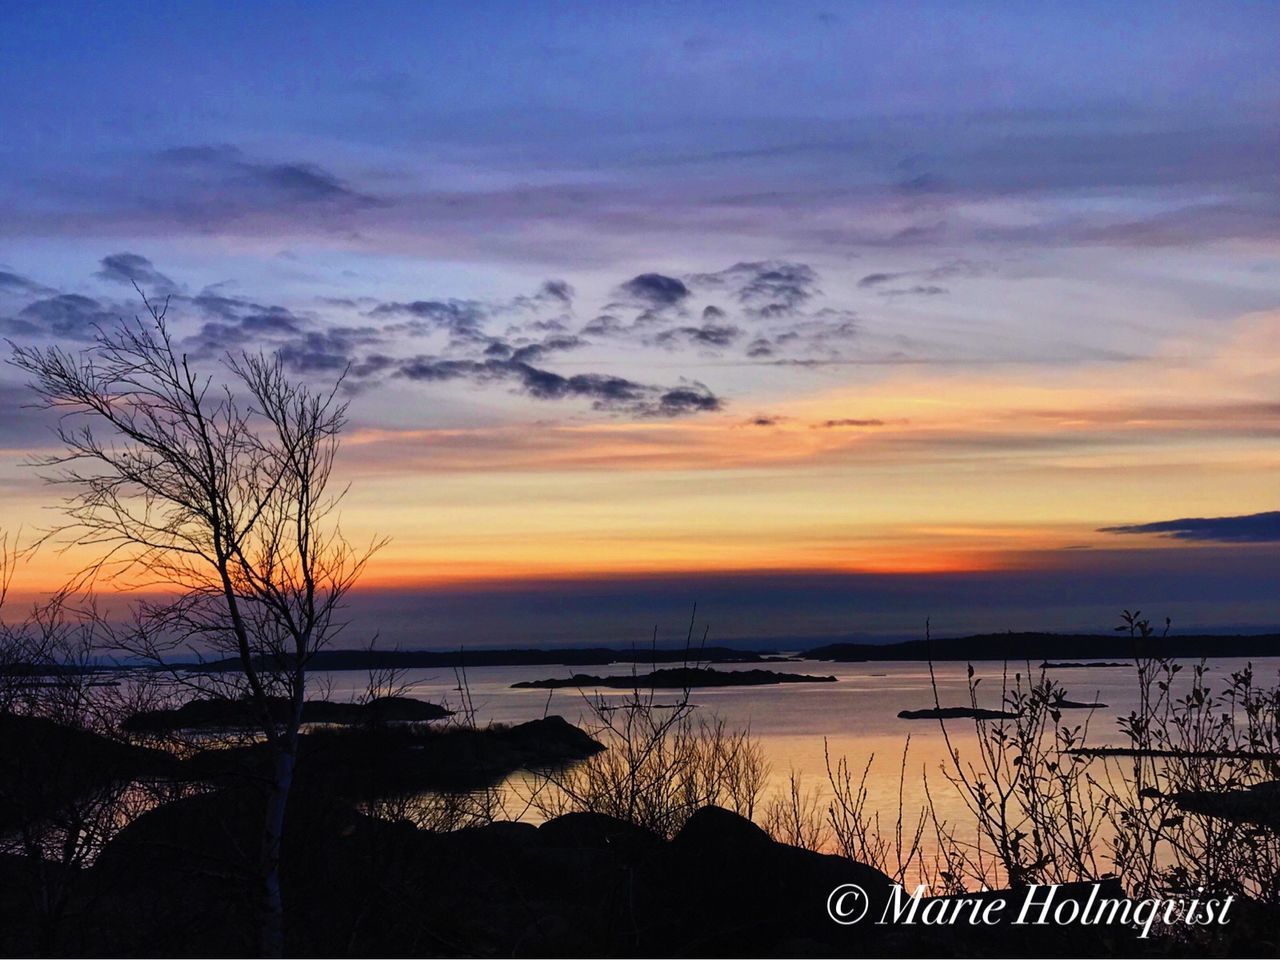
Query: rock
[
  {"x": 178, "y": 881},
  {"x": 45, "y": 765},
  {"x": 364, "y": 763},
  {"x": 751, "y": 890},
  {"x": 583, "y": 829},
  {"x": 1258, "y": 804},
  {"x": 716, "y": 831},
  {"x": 397, "y": 709}
]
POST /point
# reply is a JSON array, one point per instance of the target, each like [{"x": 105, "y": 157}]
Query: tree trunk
[{"x": 272, "y": 836}]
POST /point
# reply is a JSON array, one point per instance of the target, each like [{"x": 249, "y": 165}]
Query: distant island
[
  {"x": 956, "y": 713},
  {"x": 223, "y": 713},
  {"x": 678, "y": 677},
  {"x": 365, "y": 660},
  {"x": 1041, "y": 646},
  {"x": 987, "y": 714},
  {"x": 1059, "y": 665}
]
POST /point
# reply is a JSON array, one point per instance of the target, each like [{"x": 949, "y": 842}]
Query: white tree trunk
[{"x": 272, "y": 839}]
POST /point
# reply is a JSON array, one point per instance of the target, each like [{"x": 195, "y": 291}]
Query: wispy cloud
[
  {"x": 127, "y": 268},
  {"x": 1244, "y": 529},
  {"x": 72, "y": 316},
  {"x": 239, "y": 178},
  {"x": 850, "y": 422},
  {"x": 605, "y": 392}
]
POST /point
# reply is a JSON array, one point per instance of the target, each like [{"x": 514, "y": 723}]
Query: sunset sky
[{"x": 829, "y": 318}]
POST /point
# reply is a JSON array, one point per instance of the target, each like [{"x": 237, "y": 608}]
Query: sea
[{"x": 805, "y": 728}]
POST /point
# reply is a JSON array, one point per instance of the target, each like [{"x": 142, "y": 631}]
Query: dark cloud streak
[
  {"x": 131, "y": 269},
  {"x": 1242, "y": 529},
  {"x": 606, "y": 392}
]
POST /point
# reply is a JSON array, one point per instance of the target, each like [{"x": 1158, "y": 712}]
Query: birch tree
[{"x": 212, "y": 493}]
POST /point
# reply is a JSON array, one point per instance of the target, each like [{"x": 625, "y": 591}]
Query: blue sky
[{"x": 625, "y": 290}]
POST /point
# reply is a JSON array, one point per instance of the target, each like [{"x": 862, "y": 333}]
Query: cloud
[
  {"x": 849, "y": 422},
  {"x": 880, "y": 282},
  {"x": 656, "y": 290},
  {"x": 503, "y": 342},
  {"x": 875, "y": 280},
  {"x": 822, "y": 332},
  {"x": 1242, "y": 529},
  {"x": 459, "y": 317},
  {"x": 63, "y": 315},
  {"x": 471, "y": 353},
  {"x": 605, "y": 325},
  {"x": 918, "y": 290},
  {"x": 195, "y": 190},
  {"x": 773, "y": 297},
  {"x": 24, "y": 426},
  {"x": 691, "y": 399},
  {"x": 766, "y": 289},
  {"x": 556, "y": 290},
  {"x": 465, "y": 319},
  {"x": 331, "y": 350},
  {"x": 1075, "y": 175},
  {"x": 239, "y": 324},
  {"x": 708, "y": 335},
  {"x": 127, "y": 268},
  {"x": 220, "y": 305},
  {"x": 606, "y": 392},
  {"x": 536, "y": 350},
  {"x": 17, "y": 284},
  {"x": 228, "y": 169},
  {"x": 306, "y": 183}
]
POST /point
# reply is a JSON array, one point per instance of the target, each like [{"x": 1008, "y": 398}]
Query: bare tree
[{"x": 213, "y": 495}]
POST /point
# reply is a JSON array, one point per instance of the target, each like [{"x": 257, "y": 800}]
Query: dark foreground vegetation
[
  {"x": 582, "y": 884},
  {"x": 677, "y": 678}
]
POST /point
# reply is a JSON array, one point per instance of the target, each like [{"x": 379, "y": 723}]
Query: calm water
[{"x": 857, "y": 715}]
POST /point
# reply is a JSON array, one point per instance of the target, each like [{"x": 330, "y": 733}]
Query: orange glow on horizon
[{"x": 915, "y": 471}]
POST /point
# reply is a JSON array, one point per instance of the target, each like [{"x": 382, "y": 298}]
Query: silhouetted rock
[
  {"x": 372, "y": 762},
  {"x": 751, "y": 890},
  {"x": 45, "y": 765},
  {"x": 180, "y": 881},
  {"x": 587, "y": 829},
  {"x": 1258, "y": 804}
]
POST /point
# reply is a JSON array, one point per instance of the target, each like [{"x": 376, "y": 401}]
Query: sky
[{"x": 828, "y": 318}]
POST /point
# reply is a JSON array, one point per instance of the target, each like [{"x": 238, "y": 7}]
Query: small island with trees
[{"x": 678, "y": 678}]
